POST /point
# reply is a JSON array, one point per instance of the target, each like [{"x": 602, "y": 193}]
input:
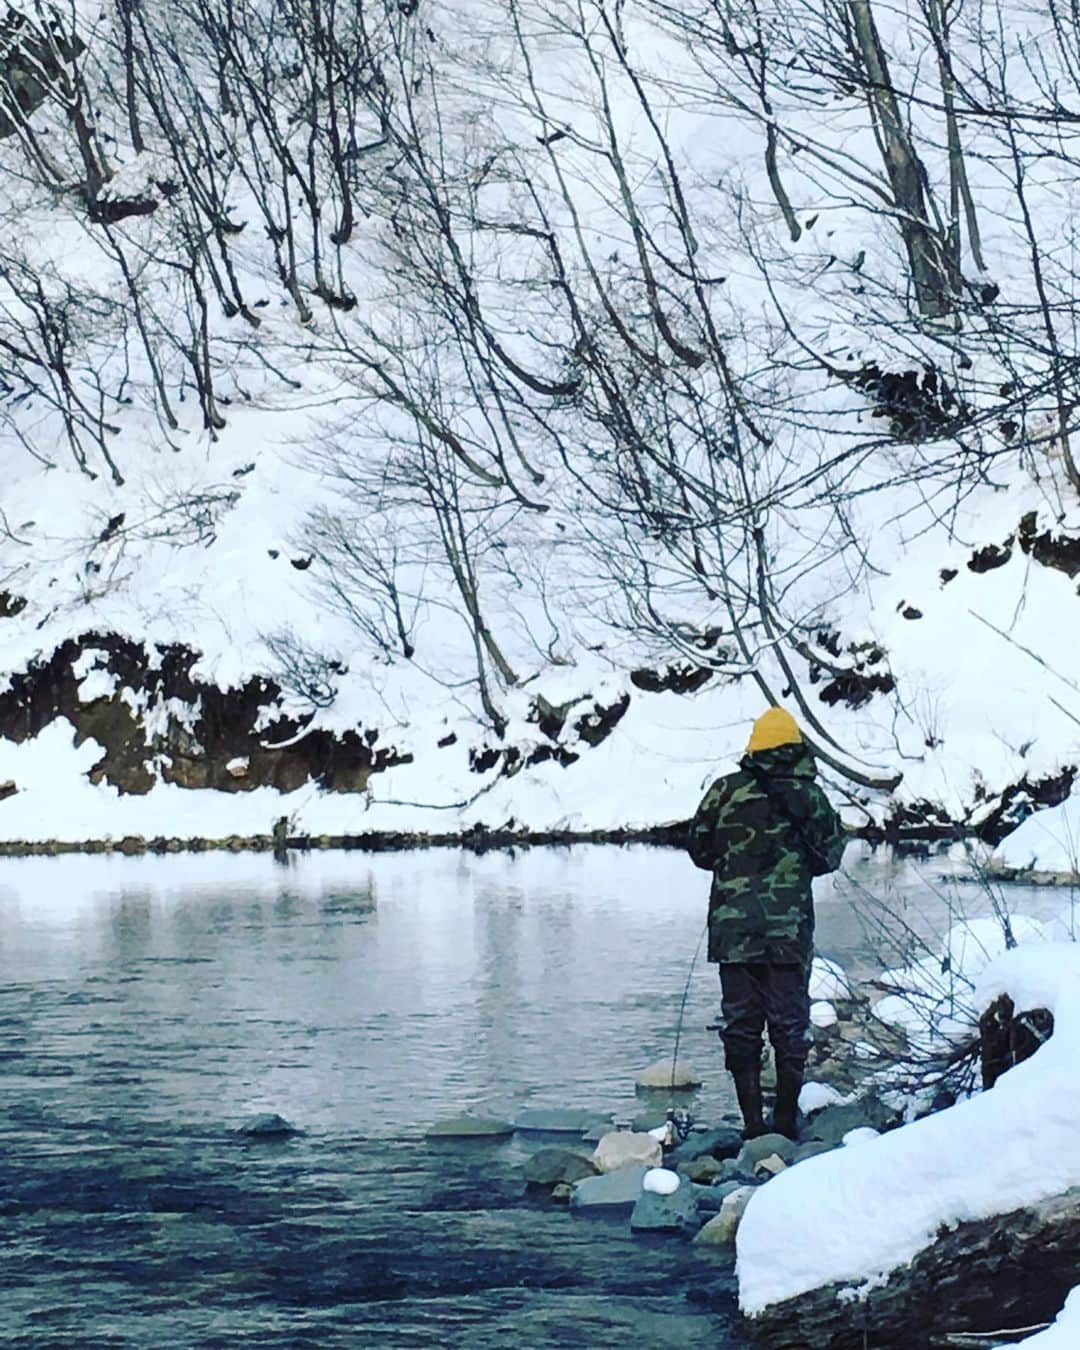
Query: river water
[{"x": 150, "y": 1006}]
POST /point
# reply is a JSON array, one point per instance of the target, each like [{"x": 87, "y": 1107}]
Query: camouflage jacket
[{"x": 764, "y": 832}]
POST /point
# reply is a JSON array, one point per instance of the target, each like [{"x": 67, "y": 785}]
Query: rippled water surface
[{"x": 150, "y": 1006}]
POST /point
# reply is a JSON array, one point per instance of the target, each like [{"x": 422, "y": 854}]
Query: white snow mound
[{"x": 851, "y": 1216}]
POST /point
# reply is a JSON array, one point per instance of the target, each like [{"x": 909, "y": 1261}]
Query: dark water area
[{"x": 150, "y": 1006}]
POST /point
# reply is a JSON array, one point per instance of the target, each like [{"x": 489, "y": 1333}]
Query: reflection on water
[{"x": 150, "y": 1005}]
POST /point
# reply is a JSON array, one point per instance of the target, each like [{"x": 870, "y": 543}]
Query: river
[{"x": 150, "y": 1006}]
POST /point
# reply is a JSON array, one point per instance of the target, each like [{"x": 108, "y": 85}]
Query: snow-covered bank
[
  {"x": 850, "y": 1219},
  {"x": 1047, "y": 844}
]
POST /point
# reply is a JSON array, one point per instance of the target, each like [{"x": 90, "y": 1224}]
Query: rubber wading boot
[
  {"x": 788, "y": 1085},
  {"x": 748, "y": 1091}
]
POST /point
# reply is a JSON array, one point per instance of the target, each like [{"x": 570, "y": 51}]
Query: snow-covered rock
[
  {"x": 822, "y": 1014},
  {"x": 816, "y": 1096},
  {"x": 1048, "y": 841}
]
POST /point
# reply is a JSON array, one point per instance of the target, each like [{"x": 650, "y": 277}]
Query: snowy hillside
[{"x": 456, "y": 413}]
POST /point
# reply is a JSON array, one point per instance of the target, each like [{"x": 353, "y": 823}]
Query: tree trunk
[{"x": 1013, "y": 1270}]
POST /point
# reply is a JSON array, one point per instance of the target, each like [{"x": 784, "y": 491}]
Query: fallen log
[{"x": 1010, "y": 1270}]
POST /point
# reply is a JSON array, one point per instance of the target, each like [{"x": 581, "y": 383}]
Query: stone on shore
[
  {"x": 555, "y": 1166},
  {"x": 834, "y": 1122},
  {"x": 610, "y": 1193},
  {"x": 769, "y": 1167},
  {"x": 813, "y": 1149},
  {"x": 725, "y": 1141},
  {"x": 754, "y": 1150},
  {"x": 720, "y": 1231},
  {"x": 702, "y": 1170},
  {"x": 663, "y": 1076},
  {"x": 469, "y": 1127},
  {"x": 675, "y": 1212},
  {"x": 624, "y": 1148},
  {"x": 555, "y": 1120}
]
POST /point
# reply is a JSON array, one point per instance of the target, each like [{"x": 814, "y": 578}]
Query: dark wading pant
[{"x": 754, "y": 995}]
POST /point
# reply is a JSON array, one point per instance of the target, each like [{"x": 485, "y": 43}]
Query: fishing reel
[{"x": 679, "y": 1123}]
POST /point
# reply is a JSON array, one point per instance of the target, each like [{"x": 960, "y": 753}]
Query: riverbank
[{"x": 479, "y": 839}]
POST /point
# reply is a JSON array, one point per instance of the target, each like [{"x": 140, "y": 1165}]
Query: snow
[
  {"x": 1048, "y": 841},
  {"x": 828, "y": 981},
  {"x": 822, "y": 1014},
  {"x": 816, "y": 1096},
  {"x": 934, "y": 997},
  {"x": 861, "y": 1135},
  {"x": 661, "y": 1180},
  {"x": 1064, "y": 1334},
  {"x": 851, "y": 1216}
]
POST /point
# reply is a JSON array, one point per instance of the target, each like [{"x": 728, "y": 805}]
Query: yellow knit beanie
[{"x": 773, "y": 728}]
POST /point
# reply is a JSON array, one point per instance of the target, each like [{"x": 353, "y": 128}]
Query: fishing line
[{"x": 682, "y": 1005}]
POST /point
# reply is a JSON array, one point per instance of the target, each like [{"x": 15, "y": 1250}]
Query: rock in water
[
  {"x": 553, "y": 1120},
  {"x": 662, "y": 1076},
  {"x": 675, "y": 1212},
  {"x": 720, "y": 1231},
  {"x": 624, "y": 1148},
  {"x": 267, "y": 1126},
  {"x": 469, "y": 1127},
  {"x": 610, "y": 1193},
  {"x": 557, "y": 1166}
]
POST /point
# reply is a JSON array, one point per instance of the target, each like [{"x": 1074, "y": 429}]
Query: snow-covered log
[
  {"x": 965, "y": 1220},
  {"x": 1010, "y": 1271}
]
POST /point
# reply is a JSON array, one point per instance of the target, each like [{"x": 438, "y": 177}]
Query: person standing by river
[{"x": 765, "y": 831}]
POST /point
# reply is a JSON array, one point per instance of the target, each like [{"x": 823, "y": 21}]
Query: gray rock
[
  {"x": 754, "y": 1150},
  {"x": 552, "y": 1166},
  {"x": 624, "y": 1148},
  {"x": 720, "y": 1231},
  {"x": 469, "y": 1127},
  {"x": 710, "y": 1198},
  {"x": 674, "y": 1213},
  {"x": 268, "y": 1126},
  {"x": 732, "y": 1170},
  {"x": 555, "y": 1120},
  {"x": 610, "y": 1193},
  {"x": 663, "y": 1076},
  {"x": 813, "y": 1149},
  {"x": 722, "y": 1142},
  {"x": 830, "y": 1126},
  {"x": 703, "y": 1170},
  {"x": 645, "y": 1121},
  {"x": 769, "y": 1167}
]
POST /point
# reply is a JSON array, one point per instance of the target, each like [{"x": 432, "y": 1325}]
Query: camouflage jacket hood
[{"x": 765, "y": 831}]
